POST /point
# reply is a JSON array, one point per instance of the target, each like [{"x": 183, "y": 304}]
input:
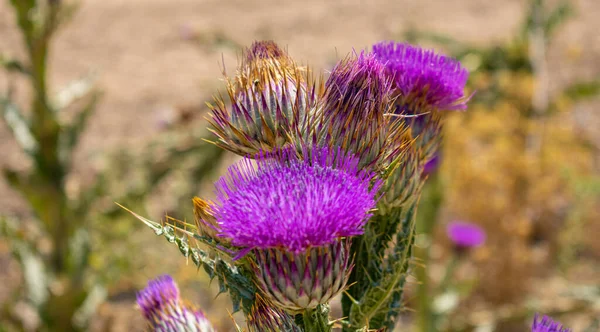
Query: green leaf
[
  {"x": 86, "y": 311},
  {"x": 557, "y": 17},
  {"x": 34, "y": 273},
  {"x": 18, "y": 126},
  {"x": 13, "y": 65},
  {"x": 23, "y": 249},
  {"x": 583, "y": 90},
  {"x": 71, "y": 133},
  {"x": 74, "y": 91}
]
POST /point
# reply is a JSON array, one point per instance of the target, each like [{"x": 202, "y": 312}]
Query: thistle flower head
[
  {"x": 465, "y": 235},
  {"x": 286, "y": 201},
  {"x": 164, "y": 311},
  {"x": 352, "y": 114},
  {"x": 159, "y": 293},
  {"x": 546, "y": 324},
  {"x": 424, "y": 80},
  {"x": 269, "y": 97},
  {"x": 266, "y": 317},
  {"x": 295, "y": 214}
]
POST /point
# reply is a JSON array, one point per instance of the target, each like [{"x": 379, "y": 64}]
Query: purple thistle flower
[
  {"x": 296, "y": 204},
  {"x": 546, "y": 324},
  {"x": 425, "y": 80},
  {"x": 352, "y": 115},
  {"x": 465, "y": 235},
  {"x": 164, "y": 311},
  {"x": 160, "y": 292},
  {"x": 295, "y": 214}
]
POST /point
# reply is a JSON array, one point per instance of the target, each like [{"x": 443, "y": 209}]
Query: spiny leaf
[
  {"x": 236, "y": 280},
  {"x": 374, "y": 307}
]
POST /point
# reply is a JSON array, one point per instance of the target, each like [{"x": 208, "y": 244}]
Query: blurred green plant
[
  {"x": 511, "y": 81},
  {"x": 64, "y": 278}
]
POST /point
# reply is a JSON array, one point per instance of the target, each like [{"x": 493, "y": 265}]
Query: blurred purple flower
[
  {"x": 294, "y": 204},
  {"x": 546, "y": 324},
  {"x": 465, "y": 235},
  {"x": 164, "y": 311},
  {"x": 424, "y": 79},
  {"x": 160, "y": 292}
]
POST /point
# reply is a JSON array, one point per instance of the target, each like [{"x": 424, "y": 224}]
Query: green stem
[
  {"x": 448, "y": 274},
  {"x": 317, "y": 319},
  {"x": 431, "y": 201}
]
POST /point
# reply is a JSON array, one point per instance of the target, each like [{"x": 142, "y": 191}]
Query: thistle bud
[
  {"x": 352, "y": 115},
  {"x": 294, "y": 215},
  {"x": 164, "y": 310},
  {"x": 269, "y": 98},
  {"x": 404, "y": 181},
  {"x": 546, "y": 324},
  {"x": 265, "y": 317}
]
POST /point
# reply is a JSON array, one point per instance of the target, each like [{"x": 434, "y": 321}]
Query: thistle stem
[
  {"x": 429, "y": 206},
  {"x": 317, "y": 319}
]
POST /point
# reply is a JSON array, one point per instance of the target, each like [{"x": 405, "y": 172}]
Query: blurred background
[{"x": 128, "y": 80}]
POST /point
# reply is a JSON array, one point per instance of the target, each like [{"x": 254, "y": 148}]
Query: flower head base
[
  {"x": 164, "y": 311},
  {"x": 265, "y": 317},
  {"x": 353, "y": 112},
  {"x": 465, "y": 235},
  {"x": 269, "y": 97},
  {"x": 425, "y": 81},
  {"x": 299, "y": 281},
  {"x": 546, "y": 324},
  {"x": 294, "y": 202}
]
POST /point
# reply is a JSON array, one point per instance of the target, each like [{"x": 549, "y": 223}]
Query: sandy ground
[{"x": 146, "y": 63}]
